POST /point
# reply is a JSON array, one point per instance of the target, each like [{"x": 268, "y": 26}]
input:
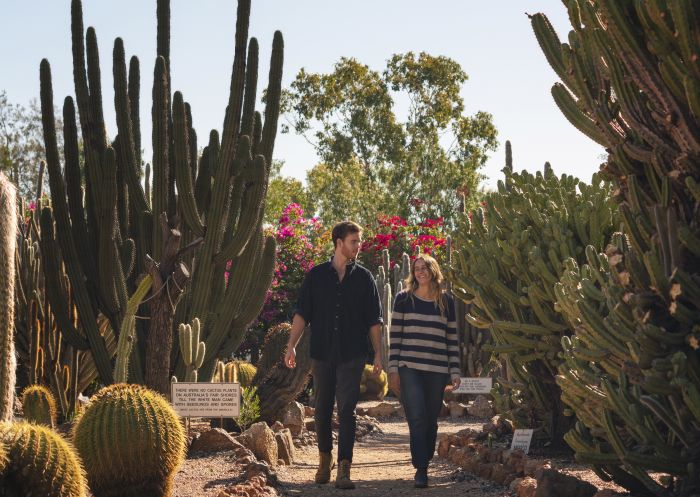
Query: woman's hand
[
  {"x": 395, "y": 383},
  {"x": 455, "y": 383}
]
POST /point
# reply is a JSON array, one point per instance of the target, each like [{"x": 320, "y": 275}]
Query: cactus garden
[{"x": 160, "y": 312}]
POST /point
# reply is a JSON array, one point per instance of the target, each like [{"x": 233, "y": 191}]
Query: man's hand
[
  {"x": 395, "y": 383},
  {"x": 290, "y": 358},
  {"x": 377, "y": 364}
]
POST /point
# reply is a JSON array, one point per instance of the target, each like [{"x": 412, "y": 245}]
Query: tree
[
  {"x": 283, "y": 191},
  {"x": 424, "y": 165},
  {"x": 21, "y": 144}
]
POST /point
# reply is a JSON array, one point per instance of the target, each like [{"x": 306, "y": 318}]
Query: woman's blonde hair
[{"x": 436, "y": 281}]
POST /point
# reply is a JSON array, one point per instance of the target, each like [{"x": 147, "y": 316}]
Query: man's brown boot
[
  {"x": 342, "y": 479},
  {"x": 325, "y": 465}
]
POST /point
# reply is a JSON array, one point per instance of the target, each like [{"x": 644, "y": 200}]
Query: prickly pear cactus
[
  {"x": 39, "y": 462},
  {"x": 39, "y": 405},
  {"x": 141, "y": 451}
]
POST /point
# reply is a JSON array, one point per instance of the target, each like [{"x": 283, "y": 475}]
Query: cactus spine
[
  {"x": 39, "y": 405},
  {"x": 39, "y": 462},
  {"x": 8, "y": 217},
  {"x": 191, "y": 348},
  {"x": 142, "y": 451}
]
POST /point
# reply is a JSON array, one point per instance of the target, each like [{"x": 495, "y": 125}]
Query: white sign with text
[
  {"x": 206, "y": 400},
  {"x": 522, "y": 439},
  {"x": 474, "y": 385}
]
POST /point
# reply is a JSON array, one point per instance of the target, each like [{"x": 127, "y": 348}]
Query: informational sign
[
  {"x": 522, "y": 439},
  {"x": 474, "y": 385},
  {"x": 206, "y": 400}
]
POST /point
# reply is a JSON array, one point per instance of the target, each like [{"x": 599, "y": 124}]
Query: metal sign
[{"x": 206, "y": 400}]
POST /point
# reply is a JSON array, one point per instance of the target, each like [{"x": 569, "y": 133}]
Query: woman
[{"x": 423, "y": 356}]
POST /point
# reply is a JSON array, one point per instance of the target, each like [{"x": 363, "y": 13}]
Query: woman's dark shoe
[{"x": 421, "y": 478}]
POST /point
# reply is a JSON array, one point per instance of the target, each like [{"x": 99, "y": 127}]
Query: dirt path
[{"x": 382, "y": 467}]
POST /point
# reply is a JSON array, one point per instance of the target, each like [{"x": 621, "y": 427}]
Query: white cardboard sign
[
  {"x": 522, "y": 439},
  {"x": 206, "y": 400},
  {"x": 474, "y": 385}
]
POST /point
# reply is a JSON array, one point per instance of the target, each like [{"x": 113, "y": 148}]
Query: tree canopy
[{"x": 399, "y": 138}]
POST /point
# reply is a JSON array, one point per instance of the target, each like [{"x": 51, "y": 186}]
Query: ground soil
[{"x": 381, "y": 468}]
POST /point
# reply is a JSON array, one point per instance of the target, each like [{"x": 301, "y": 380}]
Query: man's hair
[{"x": 343, "y": 229}]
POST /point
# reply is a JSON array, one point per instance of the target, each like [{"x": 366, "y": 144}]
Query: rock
[
  {"x": 262, "y": 442},
  {"x": 552, "y": 483},
  {"x": 293, "y": 417},
  {"x": 361, "y": 411},
  {"x": 382, "y": 410},
  {"x": 310, "y": 425},
  {"x": 534, "y": 466},
  {"x": 444, "y": 442},
  {"x": 527, "y": 487},
  {"x": 285, "y": 446},
  {"x": 502, "y": 474},
  {"x": 277, "y": 426},
  {"x": 480, "y": 408},
  {"x": 457, "y": 410},
  {"x": 309, "y": 411},
  {"x": 515, "y": 460},
  {"x": 214, "y": 440},
  {"x": 400, "y": 411}
]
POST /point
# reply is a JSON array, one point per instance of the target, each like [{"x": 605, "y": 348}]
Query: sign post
[{"x": 522, "y": 439}]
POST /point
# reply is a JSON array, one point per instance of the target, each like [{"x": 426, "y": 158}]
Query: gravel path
[{"x": 382, "y": 467}]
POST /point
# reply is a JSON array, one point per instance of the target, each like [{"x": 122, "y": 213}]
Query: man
[{"x": 339, "y": 299}]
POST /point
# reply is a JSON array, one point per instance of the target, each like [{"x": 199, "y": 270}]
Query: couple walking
[{"x": 340, "y": 302}]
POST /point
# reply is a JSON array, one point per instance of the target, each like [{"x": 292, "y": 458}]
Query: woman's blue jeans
[{"x": 421, "y": 396}]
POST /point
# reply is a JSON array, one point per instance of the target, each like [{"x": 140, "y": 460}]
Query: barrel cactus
[
  {"x": 143, "y": 449},
  {"x": 39, "y": 405},
  {"x": 373, "y": 386},
  {"x": 39, "y": 462},
  {"x": 246, "y": 373}
]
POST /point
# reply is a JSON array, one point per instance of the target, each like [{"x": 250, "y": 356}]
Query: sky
[{"x": 493, "y": 41}]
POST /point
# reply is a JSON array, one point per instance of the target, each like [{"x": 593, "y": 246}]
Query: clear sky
[{"x": 492, "y": 40}]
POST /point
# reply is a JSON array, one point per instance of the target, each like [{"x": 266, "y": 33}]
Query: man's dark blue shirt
[{"x": 340, "y": 313}]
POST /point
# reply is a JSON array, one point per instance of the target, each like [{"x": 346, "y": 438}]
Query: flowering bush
[
  {"x": 301, "y": 244},
  {"x": 398, "y": 236}
]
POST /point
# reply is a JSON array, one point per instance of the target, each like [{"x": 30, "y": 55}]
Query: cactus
[
  {"x": 276, "y": 384},
  {"x": 191, "y": 348},
  {"x": 143, "y": 449},
  {"x": 39, "y": 405},
  {"x": 245, "y": 372},
  {"x": 630, "y": 82},
  {"x": 373, "y": 386},
  {"x": 8, "y": 221},
  {"x": 117, "y": 231},
  {"x": 508, "y": 257},
  {"x": 39, "y": 462},
  {"x": 389, "y": 283}
]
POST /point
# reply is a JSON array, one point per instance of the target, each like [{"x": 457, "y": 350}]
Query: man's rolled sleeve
[{"x": 304, "y": 301}]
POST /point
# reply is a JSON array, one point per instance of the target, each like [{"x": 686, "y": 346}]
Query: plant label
[
  {"x": 522, "y": 439},
  {"x": 206, "y": 400}
]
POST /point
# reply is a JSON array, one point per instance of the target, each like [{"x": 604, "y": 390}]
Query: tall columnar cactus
[
  {"x": 141, "y": 451},
  {"x": 39, "y": 462},
  {"x": 191, "y": 348},
  {"x": 389, "y": 283},
  {"x": 39, "y": 405},
  {"x": 278, "y": 385},
  {"x": 8, "y": 227},
  {"x": 630, "y": 82},
  {"x": 509, "y": 256},
  {"x": 118, "y": 230}
]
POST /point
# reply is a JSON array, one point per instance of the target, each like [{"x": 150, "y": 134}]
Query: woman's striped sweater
[{"x": 421, "y": 338}]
